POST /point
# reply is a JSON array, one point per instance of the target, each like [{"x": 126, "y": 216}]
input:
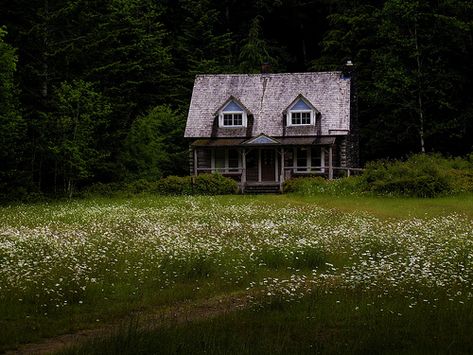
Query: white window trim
[
  {"x": 289, "y": 118},
  {"x": 243, "y": 114}
]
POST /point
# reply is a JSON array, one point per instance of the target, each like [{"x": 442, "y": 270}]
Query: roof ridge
[{"x": 337, "y": 72}]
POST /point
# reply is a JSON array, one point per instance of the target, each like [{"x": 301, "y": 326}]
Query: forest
[{"x": 98, "y": 91}]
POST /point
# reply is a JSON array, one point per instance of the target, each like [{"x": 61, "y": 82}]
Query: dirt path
[{"x": 177, "y": 314}]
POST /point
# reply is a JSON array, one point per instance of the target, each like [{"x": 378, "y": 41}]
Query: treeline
[{"x": 98, "y": 91}]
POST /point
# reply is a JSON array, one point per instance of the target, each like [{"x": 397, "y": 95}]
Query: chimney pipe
[
  {"x": 265, "y": 68},
  {"x": 348, "y": 69}
]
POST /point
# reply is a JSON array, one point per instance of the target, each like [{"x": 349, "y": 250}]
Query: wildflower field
[{"x": 327, "y": 275}]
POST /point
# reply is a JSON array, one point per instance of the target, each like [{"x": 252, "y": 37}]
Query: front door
[
  {"x": 252, "y": 163},
  {"x": 268, "y": 165}
]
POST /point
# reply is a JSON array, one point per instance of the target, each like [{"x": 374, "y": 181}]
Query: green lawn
[{"x": 328, "y": 274}]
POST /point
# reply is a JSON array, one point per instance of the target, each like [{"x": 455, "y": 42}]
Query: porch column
[
  {"x": 259, "y": 165},
  {"x": 243, "y": 169},
  {"x": 330, "y": 163},
  {"x": 281, "y": 179},
  {"x": 195, "y": 161}
]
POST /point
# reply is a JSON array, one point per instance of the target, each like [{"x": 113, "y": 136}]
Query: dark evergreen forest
[{"x": 97, "y": 91}]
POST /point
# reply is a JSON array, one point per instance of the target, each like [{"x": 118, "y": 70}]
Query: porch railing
[
  {"x": 292, "y": 170},
  {"x": 321, "y": 170}
]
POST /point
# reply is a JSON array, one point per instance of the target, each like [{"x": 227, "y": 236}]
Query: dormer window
[
  {"x": 301, "y": 113},
  {"x": 232, "y": 115},
  {"x": 232, "y": 119}
]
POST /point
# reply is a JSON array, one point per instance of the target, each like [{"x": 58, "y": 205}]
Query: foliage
[
  {"x": 411, "y": 73},
  {"x": 412, "y": 59},
  {"x": 320, "y": 185},
  {"x": 174, "y": 185},
  {"x": 203, "y": 184},
  {"x": 420, "y": 176},
  {"x": 13, "y": 182},
  {"x": 254, "y": 51},
  {"x": 214, "y": 184},
  {"x": 72, "y": 132},
  {"x": 155, "y": 145}
]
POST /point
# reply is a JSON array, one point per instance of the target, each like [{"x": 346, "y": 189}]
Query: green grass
[
  {"x": 392, "y": 207},
  {"x": 82, "y": 263},
  {"x": 343, "y": 322}
]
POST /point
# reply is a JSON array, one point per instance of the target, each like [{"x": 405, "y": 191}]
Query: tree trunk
[{"x": 419, "y": 89}]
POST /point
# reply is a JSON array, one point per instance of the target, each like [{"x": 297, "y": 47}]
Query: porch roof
[{"x": 284, "y": 141}]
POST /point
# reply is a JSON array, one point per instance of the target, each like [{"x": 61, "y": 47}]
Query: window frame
[
  {"x": 232, "y": 113},
  {"x": 308, "y": 168},
  {"x": 290, "y": 112},
  {"x": 242, "y": 112},
  {"x": 226, "y": 161}
]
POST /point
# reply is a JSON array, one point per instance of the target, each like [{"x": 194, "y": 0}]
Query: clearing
[{"x": 325, "y": 274}]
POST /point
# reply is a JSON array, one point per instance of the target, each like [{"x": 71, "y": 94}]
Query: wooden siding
[{"x": 204, "y": 158}]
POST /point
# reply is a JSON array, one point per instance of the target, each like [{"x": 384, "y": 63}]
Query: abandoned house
[{"x": 262, "y": 129}]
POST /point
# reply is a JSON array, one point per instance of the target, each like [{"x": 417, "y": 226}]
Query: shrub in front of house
[
  {"x": 205, "y": 184},
  {"x": 422, "y": 175},
  {"x": 320, "y": 185},
  {"x": 173, "y": 185},
  {"x": 214, "y": 184}
]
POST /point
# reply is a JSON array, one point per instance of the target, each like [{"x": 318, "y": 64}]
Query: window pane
[
  {"x": 305, "y": 117},
  {"x": 296, "y": 118},
  {"x": 227, "y": 120},
  {"x": 237, "y": 119},
  {"x": 220, "y": 158},
  {"x": 316, "y": 160},
  {"x": 301, "y": 157},
  {"x": 233, "y": 158}
]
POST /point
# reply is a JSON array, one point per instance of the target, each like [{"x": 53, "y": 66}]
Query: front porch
[{"x": 267, "y": 162}]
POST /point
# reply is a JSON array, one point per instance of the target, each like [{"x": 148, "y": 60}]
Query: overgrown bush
[
  {"x": 320, "y": 185},
  {"x": 173, "y": 185},
  {"x": 422, "y": 175},
  {"x": 214, "y": 184},
  {"x": 205, "y": 184},
  {"x": 419, "y": 176}
]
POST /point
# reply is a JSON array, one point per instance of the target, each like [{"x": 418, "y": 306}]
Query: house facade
[{"x": 262, "y": 129}]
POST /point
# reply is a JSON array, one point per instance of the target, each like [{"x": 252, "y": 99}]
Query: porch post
[
  {"x": 195, "y": 161},
  {"x": 259, "y": 165},
  {"x": 281, "y": 179},
  {"x": 243, "y": 170},
  {"x": 330, "y": 163}
]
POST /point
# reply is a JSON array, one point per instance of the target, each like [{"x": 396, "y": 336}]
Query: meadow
[{"x": 320, "y": 274}]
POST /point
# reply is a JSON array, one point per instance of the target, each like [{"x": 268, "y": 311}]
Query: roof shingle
[{"x": 267, "y": 96}]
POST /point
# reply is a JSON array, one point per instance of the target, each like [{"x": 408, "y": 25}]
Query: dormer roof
[
  {"x": 301, "y": 103},
  {"x": 231, "y": 104}
]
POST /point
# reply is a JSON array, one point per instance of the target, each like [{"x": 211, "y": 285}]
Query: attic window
[
  {"x": 232, "y": 115},
  {"x": 300, "y": 114}
]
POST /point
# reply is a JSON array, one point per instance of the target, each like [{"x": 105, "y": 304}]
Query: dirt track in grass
[{"x": 154, "y": 319}]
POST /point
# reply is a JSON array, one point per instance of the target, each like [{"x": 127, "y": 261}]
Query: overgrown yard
[{"x": 320, "y": 274}]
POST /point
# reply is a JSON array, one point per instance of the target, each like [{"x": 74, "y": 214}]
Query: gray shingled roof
[{"x": 267, "y": 96}]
